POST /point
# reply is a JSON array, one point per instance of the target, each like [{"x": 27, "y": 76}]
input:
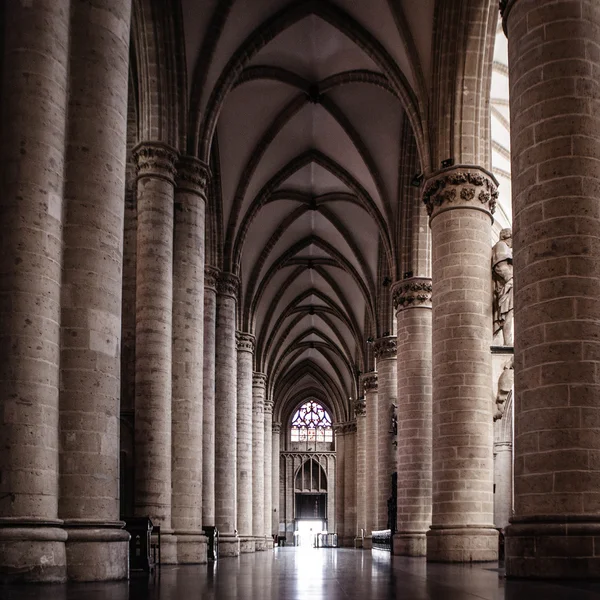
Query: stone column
[
  {"x": 555, "y": 138},
  {"x": 360, "y": 410},
  {"x": 211, "y": 276},
  {"x": 245, "y": 355},
  {"x": 412, "y": 299},
  {"x": 33, "y": 120},
  {"x": 350, "y": 484},
  {"x": 258, "y": 460},
  {"x": 153, "y": 351},
  {"x": 226, "y": 416},
  {"x": 387, "y": 389},
  {"x": 188, "y": 327},
  {"x": 460, "y": 202},
  {"x": 275, "y": 461},
  {"x": 97, "y": 546},
  {"x": 372, "y": 477},
  {"x": 268, "y": 471},
  {"x": 503, "y": 484},
  {"x": 340, "y": 460}
]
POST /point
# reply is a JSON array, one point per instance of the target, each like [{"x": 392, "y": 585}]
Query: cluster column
[
  {"x": 555, "y": 139},
  {"x": 188, "y": 327},
  {"x": 275, "y": 461},
  {"x": 153, "y": 350},
  {"x": 385, "y": 354},
  {"x": 268, "y": 471},
  {"x": 258, "y": 459},
  {"x": 412, "y": 299},
  {"x": 340, "y": 461},
  {"x": 360, "y": 410},
  {"x": 372, "y": 476},
  {"x": 97, "y": 546},
  {"x": 350, "y": 484},
  {"x": 211, "y": 276},
  {"x": 245, "y": 355},
  {"x": 460, "y": 202},
  {"x": 33, "y": 121},
  {"x": 225, "y": 464}
]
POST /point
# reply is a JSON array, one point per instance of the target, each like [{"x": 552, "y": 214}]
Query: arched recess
[{"x": 310, "y": 477}]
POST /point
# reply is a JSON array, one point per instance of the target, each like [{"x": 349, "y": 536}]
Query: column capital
[
  {"x": 228, "y": 284},
  {"x": 259, "y": 379},
  {"x": 344, "y": 428},
  {"x": 370, "y": 382},
  {"x": 461, "y": 186},
  {"x": 268, "y": 405},
  {"x": 385, "y": 347},
  {"x": 360, "y": 407},
  {"x": 193, "y": 175},
  {"x": 211, "y": 276},
  {"x": 155, "y": 159},
  {"x": 412, "y": 293},
  {"x": 244, "y": 343},
  {"x": 276, "y": 428}
]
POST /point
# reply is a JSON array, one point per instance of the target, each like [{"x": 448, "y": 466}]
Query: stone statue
[
  {"x": 505, "y": 387},
  {"x": 502, "y": 273}
]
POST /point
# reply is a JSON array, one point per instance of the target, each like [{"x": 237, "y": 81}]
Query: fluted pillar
[
  {"x": 97, "y": 546},
  {"x": 385, "y": 353},
  {"x": 340, "y": 462},
  {"x": 153, "y": 351},
  {"x": 245, "y": 355},
  {"x": 211, "y": 276},
  {"x": 555, "y": 139},
  {"x": 275, "y": 462},
  {"x": 350, "y": 484},
  {"x": 258, "y": 460},
  {"x": 360, "y": 410},
  {"x": 369, "y": 383},
  {"x": 412, "y": 299},
  {"x": 460, "y": 202},
  {"x": 32, "y": 146},
  {"x": 268, "y": 471},
  {"x": 226, "y": 416},
  {"x": 187, "y": 382}
]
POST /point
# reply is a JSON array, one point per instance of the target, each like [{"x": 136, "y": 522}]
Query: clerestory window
[{"x": 311, "y": 423}]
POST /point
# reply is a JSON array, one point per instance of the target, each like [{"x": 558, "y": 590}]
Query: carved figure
[
  {"x": 505, "y": 387},
  {"x": 502, "y": 273}
]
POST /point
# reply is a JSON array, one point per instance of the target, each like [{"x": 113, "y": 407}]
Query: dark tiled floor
[{"x": 308, "y": 574}]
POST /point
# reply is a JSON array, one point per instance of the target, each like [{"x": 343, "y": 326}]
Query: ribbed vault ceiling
[{"x": 306, "y": 146}]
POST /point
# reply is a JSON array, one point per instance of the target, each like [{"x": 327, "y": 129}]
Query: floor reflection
[{"x": 311, "y": 574}]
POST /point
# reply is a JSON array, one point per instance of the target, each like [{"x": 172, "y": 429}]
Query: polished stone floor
[{"x": 311, "y": 574}]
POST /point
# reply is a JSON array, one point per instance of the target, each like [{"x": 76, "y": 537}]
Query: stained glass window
[{"x": 311, "y": 423}]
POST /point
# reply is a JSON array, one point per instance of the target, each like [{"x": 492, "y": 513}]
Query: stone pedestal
[
  {"x": 258, "y": 458},
  {"x": 555, "y": 136},
  {"x": 385, "y": 354},
  {"x": 372, "y": 477},
  {"x": 460, "y": 202},
  {"x": 33, "y": 122},
  {"x": 412, "y": 300},
  {"x": 245, "y": 352},
  {"x": 97, "y": 547},
  {"x": 226, "y": 416},
  {"x": 187, "y": 382}
]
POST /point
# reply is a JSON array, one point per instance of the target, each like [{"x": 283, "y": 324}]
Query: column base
[
  {"x": 268, "y": 542},
  {"x": 358, "y": 542},
  {"x": 367, "y": 542},
  {"x": 462, "y": 544},
  {"x": 229, "y": 545},
  {"x": 259, "y": 543},
  {"x": 547, "y": 550},
  {"x": 247, "y": 544},
  {"x": 168, "y": 547},
  {"x": 409, "y": 544},
  {"x": 97, "y": 551},
  {"x": 32, "y": 551},
  {"x": 191, "y": 547}
]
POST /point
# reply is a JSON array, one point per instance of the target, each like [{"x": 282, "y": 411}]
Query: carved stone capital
[
  {"x": 344, "y": 428},
  {"x": 268, "y": 405},
  {"x": 192, "y": 175},
  {"x": 276, "y": 428},
  {"x": 211, "y": 276},
  {"x": 370, "y": 382},
  {"x": 155, "y": 159},
  {"x": 385, "y": 347},
  {"x": 412, "y": 293},
  {"x": 259, "y": 379},
  {"x": 360, "y": 407},
  {"x": 463, "y": 186},
  {"x": 244, "y": 341},
  {"x": 228, "y": 284}
]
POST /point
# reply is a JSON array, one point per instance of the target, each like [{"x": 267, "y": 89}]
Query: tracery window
[{"x": 311, "y": 423}]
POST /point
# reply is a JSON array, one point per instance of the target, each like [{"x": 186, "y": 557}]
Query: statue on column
[
  {"x": 505, "y": 387},
  {"x": 502, "y": 273}
]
